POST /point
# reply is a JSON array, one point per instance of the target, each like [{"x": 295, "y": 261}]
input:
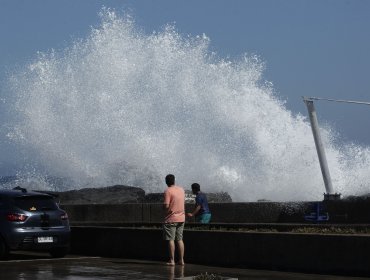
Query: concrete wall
[
  {"x": 332, "y": 254},
  {"x": 342, "y": 254},
  {"x": 256, "y": 212}
]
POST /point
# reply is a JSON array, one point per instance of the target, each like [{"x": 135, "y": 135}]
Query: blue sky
[{"x": 311, "y": 48}]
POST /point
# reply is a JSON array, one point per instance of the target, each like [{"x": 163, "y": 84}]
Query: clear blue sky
[{"x": 311, "y": 48}]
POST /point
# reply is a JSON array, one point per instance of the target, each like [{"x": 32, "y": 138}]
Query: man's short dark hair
[
  {"x": 170, "y": 180},
  {"x": 195, "y": 187}
]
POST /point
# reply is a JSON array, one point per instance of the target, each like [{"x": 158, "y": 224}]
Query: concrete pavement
[{"x": 36, "y": 266}]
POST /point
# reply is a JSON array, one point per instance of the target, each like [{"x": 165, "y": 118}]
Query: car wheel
[
  {"x": 58, "y": 252},
  {"x": 4, "y": 251}
]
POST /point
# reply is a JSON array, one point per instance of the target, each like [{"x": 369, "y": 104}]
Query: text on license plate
[{"x": 45, "y": 239}]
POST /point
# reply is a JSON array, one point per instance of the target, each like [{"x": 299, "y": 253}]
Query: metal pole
[{"x": 319, "y": 147}]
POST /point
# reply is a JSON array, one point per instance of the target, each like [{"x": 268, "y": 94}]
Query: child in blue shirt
[{"x": 201, "y": 211}]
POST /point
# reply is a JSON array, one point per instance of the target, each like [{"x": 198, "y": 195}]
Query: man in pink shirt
[{"x": 173, "y": 227}]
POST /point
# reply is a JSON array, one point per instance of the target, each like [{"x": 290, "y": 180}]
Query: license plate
[{"x": 45, "y": 239}]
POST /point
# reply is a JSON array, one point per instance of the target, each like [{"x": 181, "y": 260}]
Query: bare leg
[
  {"x": 171, "y": 251},
  {"x": 181, "y": 247}
]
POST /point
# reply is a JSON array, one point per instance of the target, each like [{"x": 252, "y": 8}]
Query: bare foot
[
  {"x": 170, "y": 263},
  {"x": 181, "y": 263}
]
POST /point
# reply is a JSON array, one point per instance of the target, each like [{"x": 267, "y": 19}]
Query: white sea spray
[{"x": 125, "y": 107}]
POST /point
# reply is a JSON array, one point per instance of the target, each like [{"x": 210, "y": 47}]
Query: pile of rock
[
  {"x": 125, "y": 194},
  {"x": 108, "y": 195}
]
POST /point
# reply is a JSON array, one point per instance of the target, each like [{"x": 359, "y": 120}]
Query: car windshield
[{"x": 35, "y": 203}]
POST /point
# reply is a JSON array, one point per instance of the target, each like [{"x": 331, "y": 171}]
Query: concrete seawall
[
  {"x": 347, "y": 254},
  {"x": 312, "y": 253},
  {"x": 256, "y": 212}
]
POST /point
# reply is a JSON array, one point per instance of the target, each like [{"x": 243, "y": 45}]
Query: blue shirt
[{"x": 201, "y": 200}]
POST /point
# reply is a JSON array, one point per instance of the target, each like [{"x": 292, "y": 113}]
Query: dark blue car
[{"x": 32, "y": 221}]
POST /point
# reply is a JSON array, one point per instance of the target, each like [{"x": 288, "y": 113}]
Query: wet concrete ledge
[{"x": 311, "y": 253}]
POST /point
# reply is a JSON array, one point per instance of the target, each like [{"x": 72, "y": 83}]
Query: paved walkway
[{"x": 39, "y": 267}]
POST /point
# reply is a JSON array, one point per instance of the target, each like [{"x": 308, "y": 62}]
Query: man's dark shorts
[{"x": 173, "y": 231}]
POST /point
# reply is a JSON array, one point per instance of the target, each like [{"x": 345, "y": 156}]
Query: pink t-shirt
[{"x": 174, "y": 196}]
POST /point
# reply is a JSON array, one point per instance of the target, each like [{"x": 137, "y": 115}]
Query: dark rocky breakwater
[{"x": 119, "y": 194}]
